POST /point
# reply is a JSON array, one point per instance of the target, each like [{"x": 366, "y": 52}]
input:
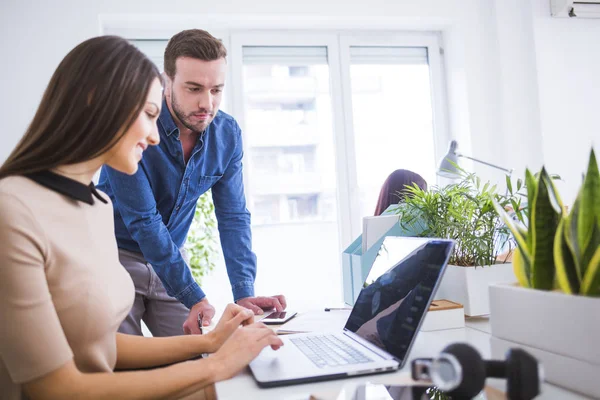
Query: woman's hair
[
  {"x": 193, "y": 43},
  {"x": 394, "y": 191},
  {"x": 93, "y": 97}
]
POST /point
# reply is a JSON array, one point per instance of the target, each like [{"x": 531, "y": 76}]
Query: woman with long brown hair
[
  {"x": 393, "y": 190},
  {"x": 63, "y": 292}
]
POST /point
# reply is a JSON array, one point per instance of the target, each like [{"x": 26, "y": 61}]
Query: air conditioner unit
[{"x": 575, "y": 8}]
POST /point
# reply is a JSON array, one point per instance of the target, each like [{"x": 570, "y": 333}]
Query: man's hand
[
  {"x": 202, "y": 310},
  {"x": 258, "y": 304}
]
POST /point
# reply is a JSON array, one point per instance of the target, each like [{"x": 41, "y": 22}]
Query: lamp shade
[{"x": 448, "y": 163}]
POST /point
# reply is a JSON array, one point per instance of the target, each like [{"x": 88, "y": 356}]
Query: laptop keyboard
[{"x": 329, "y": 351}]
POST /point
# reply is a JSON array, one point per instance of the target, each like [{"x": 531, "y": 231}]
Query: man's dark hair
[{"x": 193, "y": 43}]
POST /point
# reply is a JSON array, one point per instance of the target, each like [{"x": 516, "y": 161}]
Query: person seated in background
[
  {"x": 393, "y": 190},
  {"x": 63, "y": 292}
]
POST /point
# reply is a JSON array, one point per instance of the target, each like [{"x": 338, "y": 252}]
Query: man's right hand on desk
[
  {"x": 201, "y": 311},
  {"x": 260, "y": 303}
]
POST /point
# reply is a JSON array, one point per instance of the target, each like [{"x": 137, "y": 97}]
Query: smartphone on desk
[{"x": 277, "y": 317}]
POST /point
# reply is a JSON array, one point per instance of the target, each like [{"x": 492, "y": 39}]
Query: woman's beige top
[{"x": 63, "y": 292}]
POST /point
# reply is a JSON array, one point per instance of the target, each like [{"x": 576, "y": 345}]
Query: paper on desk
[
  {"x": 321, "y": 321},
  {"x": 374, "y": 228}
]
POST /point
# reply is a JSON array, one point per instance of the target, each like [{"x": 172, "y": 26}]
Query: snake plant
[{"x": 559, "y": 249}]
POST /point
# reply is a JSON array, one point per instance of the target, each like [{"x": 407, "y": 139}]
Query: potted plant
[
  {"x": 554, "y": 311},
  {"x": 464, "y": 211},
  {"x": 201, "y": 246}
]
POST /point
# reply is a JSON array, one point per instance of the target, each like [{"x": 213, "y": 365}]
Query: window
[
  {"x": 289, "y": 145},
  {"x": 304, "y": 207},
  {"x": 392, "y": 117},
  {"x": 289, "y": 133}
]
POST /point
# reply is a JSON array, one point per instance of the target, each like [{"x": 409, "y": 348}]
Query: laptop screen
[{"x": 388, "y": 312}]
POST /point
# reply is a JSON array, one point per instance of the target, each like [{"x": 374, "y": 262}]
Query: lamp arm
[{"x": 508, "y": 171}]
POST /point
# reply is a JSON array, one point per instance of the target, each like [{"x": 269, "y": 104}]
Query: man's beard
[{"x": 198, "y": 127}]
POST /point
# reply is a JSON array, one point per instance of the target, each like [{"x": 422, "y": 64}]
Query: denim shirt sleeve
[
  {"x": 234, "y": 225},
  {"x": 136, "y": 203}
]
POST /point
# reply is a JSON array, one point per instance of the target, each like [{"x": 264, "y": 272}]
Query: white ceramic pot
[
  {"x": 562, "y": 331},
  {"x": 469, "y": 285}
]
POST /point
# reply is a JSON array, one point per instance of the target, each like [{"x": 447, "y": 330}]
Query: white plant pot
[
  {"x": 561, "y": 330},
  {"x": 469, "y": 285}
]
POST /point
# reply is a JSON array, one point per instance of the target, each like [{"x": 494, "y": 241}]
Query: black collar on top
[{"x": 68, "y": 187}]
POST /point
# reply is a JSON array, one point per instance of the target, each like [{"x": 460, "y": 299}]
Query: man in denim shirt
[{"x": 200, "y": 148}]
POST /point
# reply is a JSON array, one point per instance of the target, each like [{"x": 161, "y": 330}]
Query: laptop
[{"x": 380, "y": 329}]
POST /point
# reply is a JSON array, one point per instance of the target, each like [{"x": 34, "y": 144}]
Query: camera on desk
[{"x": 460, "y": 372}]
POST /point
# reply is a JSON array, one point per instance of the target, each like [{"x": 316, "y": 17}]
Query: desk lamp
[{"x": 448, "y": 164}]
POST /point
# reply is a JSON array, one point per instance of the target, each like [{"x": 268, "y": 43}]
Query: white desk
[{"x": 428, "y": 344}]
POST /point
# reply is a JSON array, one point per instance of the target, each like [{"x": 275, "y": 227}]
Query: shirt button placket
[{"x": 185, "y": 184}]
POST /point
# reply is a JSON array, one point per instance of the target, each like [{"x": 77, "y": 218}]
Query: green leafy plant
[
  {"x": 559, "y": 249},
  {"x": 462, "y": 211},
  {"x": 201, "y": 245}
]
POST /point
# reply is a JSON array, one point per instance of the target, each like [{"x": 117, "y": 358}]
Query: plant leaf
[
  {"x": 521, "y": 268},
  {"x": 522, "y": 229},
  {"x": 486, "y": 186},
  {"x": 566, "y": 273},
  {"x": 589, "y": 212},
  {"x": 570, "y": 229},
  {"x": 531, "y": 183},
  {"x": 555, "y": 199},
  {"x": 509, "y": 184},
  {"x": 591, "y": 283},
  {"x": 543, "y": 223},
  {"x": 519, "y": 235},
  {"x": 592, "y": 246}
]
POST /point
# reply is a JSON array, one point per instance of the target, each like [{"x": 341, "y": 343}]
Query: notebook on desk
[{"x": 379, "y": 331}]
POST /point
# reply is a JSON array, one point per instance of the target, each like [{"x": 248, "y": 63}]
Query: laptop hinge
[{"x": 368, "y": 345}]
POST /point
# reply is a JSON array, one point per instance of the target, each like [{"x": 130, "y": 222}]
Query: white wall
[
  {"x": 519, "y": 100},
  {"x": 568, "y": 69}
]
